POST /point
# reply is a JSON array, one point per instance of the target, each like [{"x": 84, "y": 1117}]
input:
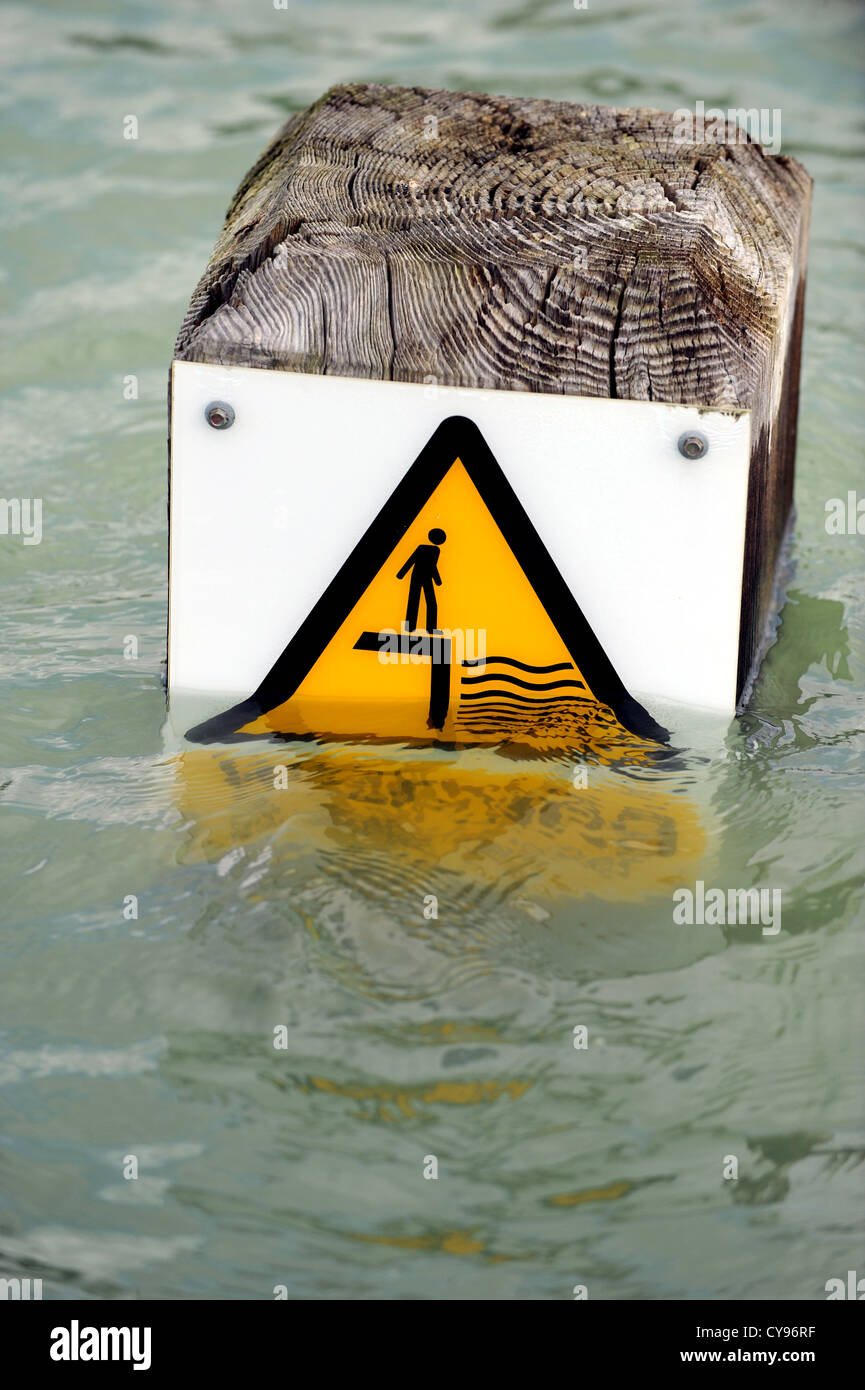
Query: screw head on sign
[
  {"x": 693, "y": 445},
  {"x": 219, "y": 414}
]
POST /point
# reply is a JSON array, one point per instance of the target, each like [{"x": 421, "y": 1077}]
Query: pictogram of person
[{"x": 423, "y": 564}]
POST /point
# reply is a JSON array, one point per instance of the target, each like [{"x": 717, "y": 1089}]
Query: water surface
[{"x": 405, "y": 1036}]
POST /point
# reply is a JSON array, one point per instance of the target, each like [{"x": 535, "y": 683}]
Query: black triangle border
[{"x": 456, "y": 437}]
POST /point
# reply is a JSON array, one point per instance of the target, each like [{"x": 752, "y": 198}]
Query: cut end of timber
[{"x": 404, "y": 233}]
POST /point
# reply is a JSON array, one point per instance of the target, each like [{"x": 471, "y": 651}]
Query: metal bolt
[
  {"x": 219, "y": 414},
  {"x": 693, "y": 446}
]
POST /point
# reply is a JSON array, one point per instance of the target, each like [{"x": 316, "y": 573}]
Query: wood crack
[
  {"x": 617, "y": 322},
  {"x": 390, "y": 314}
]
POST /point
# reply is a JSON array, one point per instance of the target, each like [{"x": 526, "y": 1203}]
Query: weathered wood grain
[{"x": 410, "y": 234}]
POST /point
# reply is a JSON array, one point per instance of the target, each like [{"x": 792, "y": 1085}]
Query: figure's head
[{"x": 437, "y": 536}]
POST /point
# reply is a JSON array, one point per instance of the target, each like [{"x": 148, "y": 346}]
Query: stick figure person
[{"x": 423, "y": 564}]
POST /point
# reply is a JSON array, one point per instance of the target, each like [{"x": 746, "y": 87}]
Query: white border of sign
[{"x": 264, "y": 513}]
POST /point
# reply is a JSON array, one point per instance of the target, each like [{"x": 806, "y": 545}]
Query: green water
[{"x": 406, "y": 1036}]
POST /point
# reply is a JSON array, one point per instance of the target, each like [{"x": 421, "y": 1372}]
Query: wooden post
[{"x": 410, "y": 234}]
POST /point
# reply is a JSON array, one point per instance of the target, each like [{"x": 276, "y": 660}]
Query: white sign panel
[{"x": 573, "y": 534}]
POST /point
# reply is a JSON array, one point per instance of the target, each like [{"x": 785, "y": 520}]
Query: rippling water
[{"x": 302, "y": 1165}]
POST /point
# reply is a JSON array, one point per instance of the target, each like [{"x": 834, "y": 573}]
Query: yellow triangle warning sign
[{"x": 449, "y": 620}]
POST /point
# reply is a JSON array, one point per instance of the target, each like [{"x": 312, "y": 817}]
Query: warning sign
[{"x": 449, "y": 620}]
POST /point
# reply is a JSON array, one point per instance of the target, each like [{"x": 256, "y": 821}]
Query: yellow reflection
[
  {"x": 405, "y": 1098},
  {"x": 591, "y": 1194},
  {"x": 451, "y": 1242},
  {"x": 480, "y": 816}
]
